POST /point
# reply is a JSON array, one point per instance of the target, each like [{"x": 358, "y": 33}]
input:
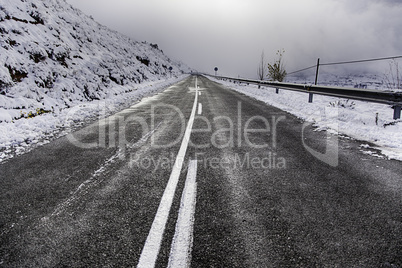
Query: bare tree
[
  {"x": 393, "y": 78},
  {"x": 276, "y": 71},
  {"x": 261, "y": 67}
]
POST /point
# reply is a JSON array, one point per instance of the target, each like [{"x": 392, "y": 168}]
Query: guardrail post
[{"x": 397, "y": 112}]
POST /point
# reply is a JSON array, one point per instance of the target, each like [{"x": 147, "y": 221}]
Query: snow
[
  {"x": 21, "y": 136},
  {"x": 53, "y": 56},
  {"x": 54, "y": 59},
  {"x": 367, "y": 122}
]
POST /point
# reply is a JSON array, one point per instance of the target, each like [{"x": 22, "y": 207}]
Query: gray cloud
[{"x": 231, "y": 34}]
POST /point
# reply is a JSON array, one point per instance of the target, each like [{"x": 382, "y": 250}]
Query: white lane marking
[
  {"x": 199, "y": 108},
  {"x": 151, "y": 248},
  {"x": 180, "y": 253}
]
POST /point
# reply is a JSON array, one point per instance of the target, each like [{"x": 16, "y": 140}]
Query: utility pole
[{"x": 310, "y": 96}]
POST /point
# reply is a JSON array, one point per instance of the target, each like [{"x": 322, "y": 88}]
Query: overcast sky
[{"x": 231, "y": 34}]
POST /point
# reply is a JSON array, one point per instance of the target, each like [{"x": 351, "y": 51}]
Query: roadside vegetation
[
  {"x": 276, "y": 70},
  {"x": 393, "y": 76}
]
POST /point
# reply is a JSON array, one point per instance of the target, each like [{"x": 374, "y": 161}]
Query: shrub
[{"x": 276, "y": 71}]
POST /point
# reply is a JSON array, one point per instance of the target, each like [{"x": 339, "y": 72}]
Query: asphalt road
[{"x": 266, "y": 192}]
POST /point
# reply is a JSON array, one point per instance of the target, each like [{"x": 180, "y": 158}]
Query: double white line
[
  {"x": 180, "y": 253},
  {"x": 182, "y": 240}
]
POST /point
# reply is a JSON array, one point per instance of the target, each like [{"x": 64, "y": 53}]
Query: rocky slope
[{"x": 53, "y": 56}]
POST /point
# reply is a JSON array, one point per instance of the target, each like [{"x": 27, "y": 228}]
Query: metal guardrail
[{"x": 384, "y": 97}]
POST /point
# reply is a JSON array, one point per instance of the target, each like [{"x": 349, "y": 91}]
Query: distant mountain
[{"x": 52, "y": 55}]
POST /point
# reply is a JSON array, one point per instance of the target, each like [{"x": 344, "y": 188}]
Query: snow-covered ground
[
  {"x": 23, "y": 135},
  {"x": 366, "y": 122},
  {"x": 52, "y": 56},
  {"x": 59, "y": 68},
  {"x": 57, "y": 62},
  {"x": 367, "y": 80}
]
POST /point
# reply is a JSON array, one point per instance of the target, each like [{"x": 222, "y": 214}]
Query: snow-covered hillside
[{"x": 52, "y": 56}]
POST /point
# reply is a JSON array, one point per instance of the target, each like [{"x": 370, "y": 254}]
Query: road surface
[{"x": 202, "y": 176}]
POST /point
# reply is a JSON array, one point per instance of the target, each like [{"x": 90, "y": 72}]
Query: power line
[
  {"x": 358, "y": 61},
  {"x": 303, "y": 69},
  {"x": 346, "y": 62}
]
